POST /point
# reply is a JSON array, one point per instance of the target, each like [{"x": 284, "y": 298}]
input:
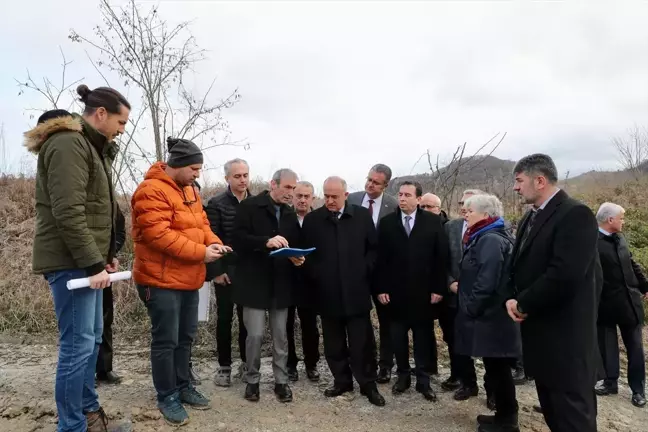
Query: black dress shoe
[
  {"x": 293, "y": 375},
  {"x": 403, "y": 383},
  {"x": 639, "y": 400},
  {"x": 519, "y": 377},
  {"x": 465, "y": 393},
  {"x": 313, "y": 374},
  {"x": 606, "y": 389},
  {"x": 537, "y": 408},
  {"x": 451, "y": 384},
  {"x": 373, "y": 395},
  {"x": 496, "y": 423},
  {"x": 283, "y": 392},
  {"x": 338, "y": 390},
  {"x": 252, "y": 392},
  {"x": 108, "y": 378},
  {"x": 384, "y": 376},
  {"x": 427, "y": 392},
  {"x": 490, "y": 402}
]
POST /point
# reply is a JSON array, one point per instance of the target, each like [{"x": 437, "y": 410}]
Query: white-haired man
[
  {"x": 340, "y": 269},
  {"x": 624, "y": 285}
]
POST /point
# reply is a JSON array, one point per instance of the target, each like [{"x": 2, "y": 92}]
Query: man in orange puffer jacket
[{"x": 173, "y": 241}]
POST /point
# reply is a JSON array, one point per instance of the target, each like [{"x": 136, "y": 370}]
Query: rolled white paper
[
  {"x": 85, "y": 282},
  {"x": 204, "y": 295}
]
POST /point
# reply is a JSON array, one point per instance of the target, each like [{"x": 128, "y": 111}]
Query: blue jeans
[{"x": 79, "y": 314}]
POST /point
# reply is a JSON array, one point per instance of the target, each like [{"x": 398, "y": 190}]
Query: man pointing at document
[{"x": 262, "y": 224}]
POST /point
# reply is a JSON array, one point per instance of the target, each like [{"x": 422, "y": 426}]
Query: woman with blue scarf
[{"x": 483, "y": 328}]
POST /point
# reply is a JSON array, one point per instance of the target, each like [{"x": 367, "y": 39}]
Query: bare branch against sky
[{"x": 333, "y": 87}]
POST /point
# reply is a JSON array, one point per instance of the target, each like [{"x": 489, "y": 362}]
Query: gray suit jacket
[{"x": 389, "y": 204}]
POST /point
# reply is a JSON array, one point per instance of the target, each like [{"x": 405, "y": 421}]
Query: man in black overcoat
[
  {"x": 411, "y": 277},
  {"x": 262, "y": 224},
  {"x": 624, "y": 288},
  {"x": 556, "y": 274},
  {"x": 340, "y": 271}
]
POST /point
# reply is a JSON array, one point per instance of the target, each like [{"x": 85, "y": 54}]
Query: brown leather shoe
[{"x": 98, "y": 422}]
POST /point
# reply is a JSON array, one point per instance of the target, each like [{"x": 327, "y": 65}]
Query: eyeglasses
[{"x": 188, "y": 202}]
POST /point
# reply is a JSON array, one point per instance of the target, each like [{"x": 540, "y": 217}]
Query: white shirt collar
[
  {"x": 544, "y": 204},
  {"x": 341, "y": 211},
  {"x": 604, "y": 232},
  {"x": 413, "y": 215}
]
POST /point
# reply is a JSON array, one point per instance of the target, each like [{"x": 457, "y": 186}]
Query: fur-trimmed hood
[{"x": 35, "y": 137}]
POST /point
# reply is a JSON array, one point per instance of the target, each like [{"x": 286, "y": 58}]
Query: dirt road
[{"x": 27, "y": 401}]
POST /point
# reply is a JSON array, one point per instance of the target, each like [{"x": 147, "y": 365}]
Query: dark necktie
[
  {"x": 371, "y": 203},
  {"x": 527, "y": 231}
]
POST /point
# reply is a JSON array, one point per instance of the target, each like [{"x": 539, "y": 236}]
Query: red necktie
[{"x": 371, "y": 202}]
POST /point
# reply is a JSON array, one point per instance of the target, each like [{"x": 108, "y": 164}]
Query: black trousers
[
  {"x": 499, "y": 381},
  {"x": 174, "y": 323},
  {"x": 568, "y": 411},
  {"x": 348, "y": 359},
  {"x": 609, "y": 347},
  {"x": 447, "y": 316},
  {"x": 105, "y": 357},
  {"x": 467, "y": 372},
  {"x": 386, "y": 359},
  {"x": 310, "y": 337},
  {"x": 423, "y": 336},
  {"x": 224, "y": 317}
]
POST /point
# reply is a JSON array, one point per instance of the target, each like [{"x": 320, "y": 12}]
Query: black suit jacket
[
  {"x": 340, "y": 268},
  {"x": 556, "y": 277},
  {"x": 263, "y": 282},
  {"x": 412, "y": 268}
]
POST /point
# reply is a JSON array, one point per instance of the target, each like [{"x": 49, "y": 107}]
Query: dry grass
[{"x": 26, "y": 303}]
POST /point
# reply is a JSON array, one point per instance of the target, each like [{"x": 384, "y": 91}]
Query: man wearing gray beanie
[
  {"x": 183, "y": 153},
  {"x": 173, "y": 241}
]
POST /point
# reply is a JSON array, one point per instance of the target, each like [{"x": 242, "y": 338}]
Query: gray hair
[
  {"x": 382, "y": 169},
  {"x": 228, "y": 165},
  {"x": 337, "y": 179},
  {"x": 484, "y": 203},
  {"x": 473, "y": 192},
  {"x": 307, "y": 184},
  {"x": 608, "y": 210},
  {"x": 283, "y": 173},
  {"x": 538, "y": 164}
]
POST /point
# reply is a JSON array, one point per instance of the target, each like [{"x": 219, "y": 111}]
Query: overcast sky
[{"x": 333, "y": 87}]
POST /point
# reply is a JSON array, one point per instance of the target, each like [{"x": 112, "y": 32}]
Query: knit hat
[{"x": 183, "y": 153}]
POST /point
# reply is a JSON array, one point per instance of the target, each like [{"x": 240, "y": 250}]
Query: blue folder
[{"x": 291, "y": 252}]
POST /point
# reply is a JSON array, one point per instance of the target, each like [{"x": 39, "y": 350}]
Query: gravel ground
[{"x": 27, "y": 401}]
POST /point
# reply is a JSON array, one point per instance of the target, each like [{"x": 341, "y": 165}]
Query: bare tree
[
  {"x": 445, "y": 178},
  {"x": 145, "y": 51},
  {"x": 633, "y": 149},
  {"x": 54, "y": 94}
]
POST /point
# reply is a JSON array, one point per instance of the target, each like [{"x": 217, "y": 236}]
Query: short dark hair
[
  {"x": 383, "y": 169},
  {"x": 537, "y": 164},
  {"x": 417, "y": 186},
  {"x": 106, "y": 97}
]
